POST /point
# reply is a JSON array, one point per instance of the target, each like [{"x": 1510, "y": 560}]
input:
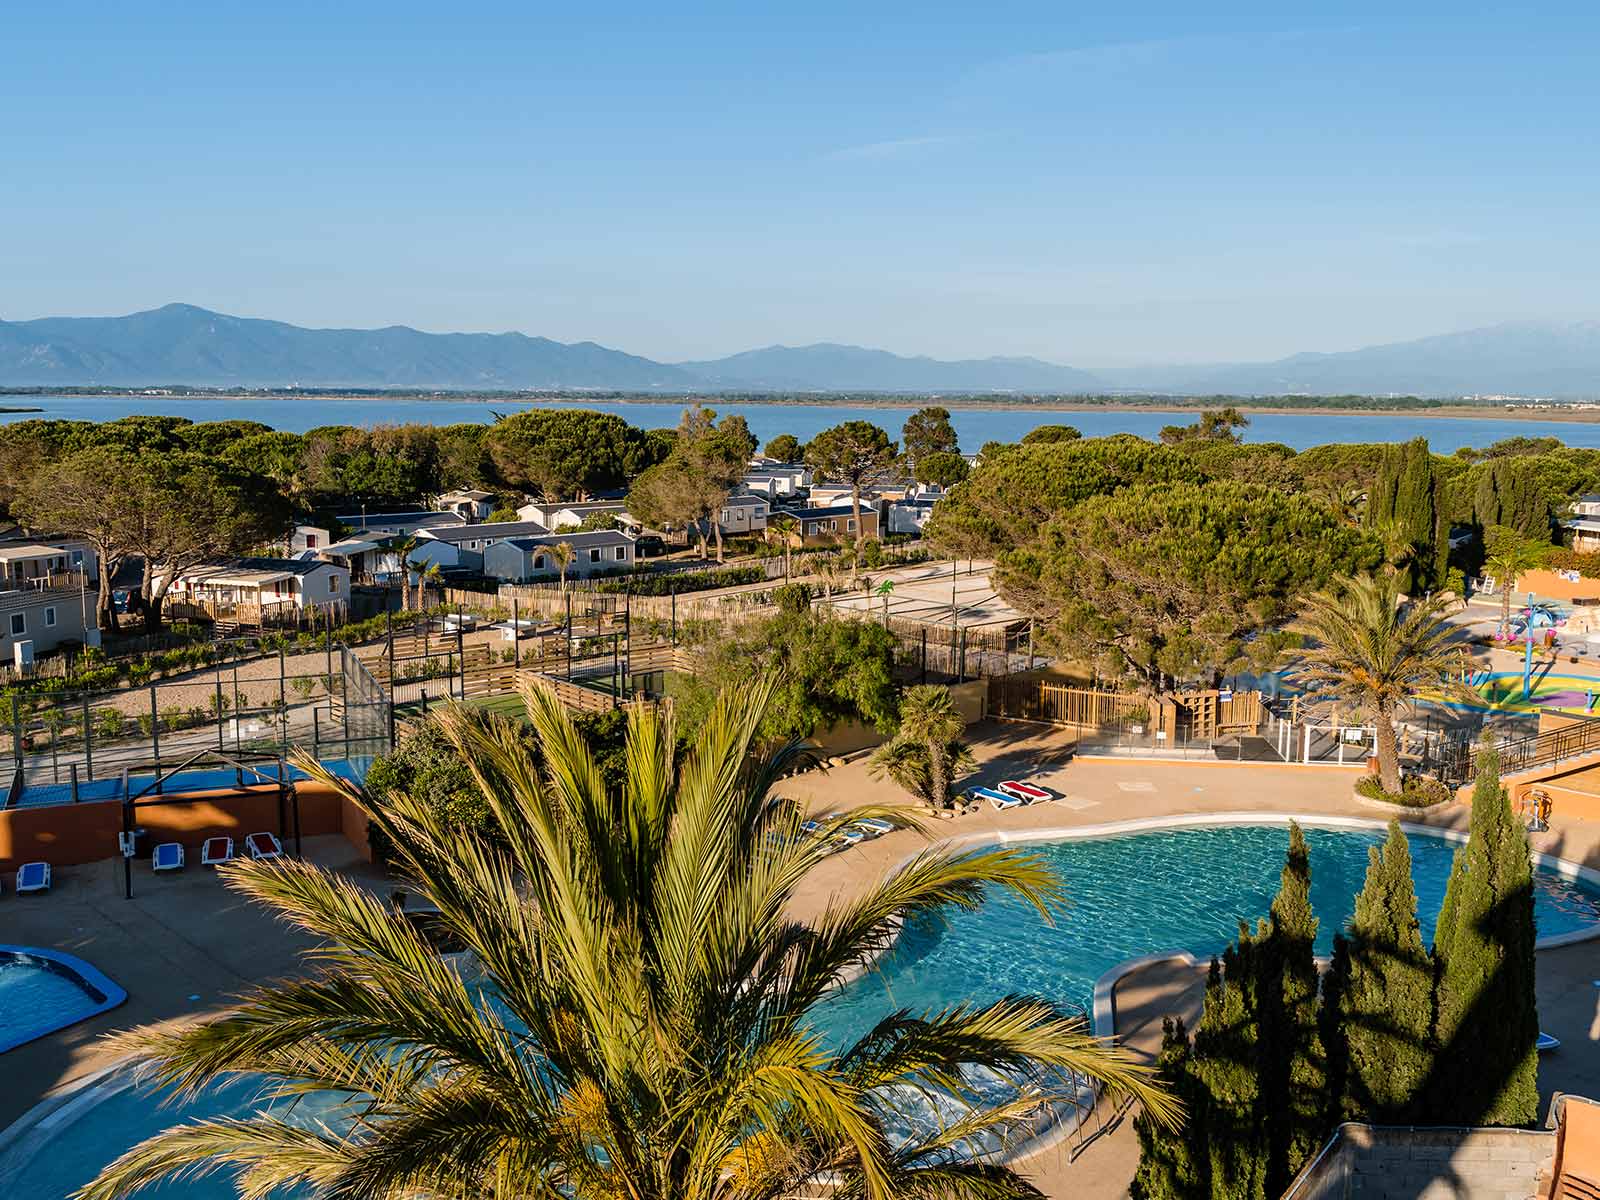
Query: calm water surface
[{"x": 975, "y": 427}]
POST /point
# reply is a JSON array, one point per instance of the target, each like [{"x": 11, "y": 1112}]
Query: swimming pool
[
  {"x": 42, "y": 991},
  {"x": 1134, "y": 894}
]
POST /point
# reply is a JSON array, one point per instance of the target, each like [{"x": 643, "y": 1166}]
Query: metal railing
[{"x": 1529, "y": 753}]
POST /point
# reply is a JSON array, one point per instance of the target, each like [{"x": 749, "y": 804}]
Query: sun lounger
[
  {"x": 874, "y": 826},
  {"x": 851, "y": 837},
  {"x": 810, "y": 826},
  {"x": 1000, "y": 800},
  {"x": 216, "y": 850},
  {"x": 263, "y": 845},
  {"x": 1026, "y": 792},
  {"x": 168, "y": 856},
  {"x": 33, "y": 877}
]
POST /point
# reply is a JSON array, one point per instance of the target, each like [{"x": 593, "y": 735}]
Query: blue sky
[{"x": 1096, "y": 185}]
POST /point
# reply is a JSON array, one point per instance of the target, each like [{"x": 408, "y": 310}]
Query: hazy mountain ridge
[
  {"x": 186, "y": 345},
  {"x": 828, "y": 366},
  {"x": 182, "y": 344},
  {"x": 1522, "y": 358}
]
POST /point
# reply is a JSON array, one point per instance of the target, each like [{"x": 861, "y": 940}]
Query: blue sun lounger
[
  {"x": 1000, "y": 800},
  {"x": 168, "y": 856},
  {"x": 33, "y": 877}
]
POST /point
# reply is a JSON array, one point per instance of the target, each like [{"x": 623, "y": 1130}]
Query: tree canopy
[
  {"x": 1181, "y": 582},
  {"x": 828, "y": 669},
  {"x": 785, "y": 448},
  {"x": 171, "y": 509},
  {"x": 566, "y": 453},
  {"x": 927, "y": 431},
  {"x": 1011, "y": 496},
  {"x": 1051, "y": 433}
]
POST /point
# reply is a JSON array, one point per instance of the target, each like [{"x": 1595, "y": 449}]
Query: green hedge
[{"x": 684, "y": 581}]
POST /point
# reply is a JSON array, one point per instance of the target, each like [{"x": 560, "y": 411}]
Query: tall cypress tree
[
  {"x": 1380, "y": 990},
  {"x": 1228, "y": 1071},
  {"x": 1294, "y": 1078},
  {"x": 1256, "y": 1108},
  {"x": 1488, "y": 1020},
  {"x": 1173, "y": 1164}
]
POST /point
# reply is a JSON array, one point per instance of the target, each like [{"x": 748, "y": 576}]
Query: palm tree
[
  {"x": 1372, "y": 648},
  {"x": 563, "y": 553},
  {"x": 830, "y": 573},
  {"x": 1510, "y": 554},
  {"x": 401, "y": 548},
  {"x": 885, "y": 589},
  {"x": 427, "y": 576},
  {"x": 648, "y": 1029},
  {"x": 1400, "y": 552},
  {"x": 785, "y": 527},
  {"x": 926, "y": 755}
]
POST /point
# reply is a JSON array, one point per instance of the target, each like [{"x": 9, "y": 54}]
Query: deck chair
[
  {"x": 33, "y": 877},
  {"x": 168, "y": 856},
  {"x": 216, "y": 850},
  {"x": 1000, "y": 800},
  {"x": 1026, "y": 792},
  {"x": 1575, "y": 1169},
  {"x": 263, "y": 845}
]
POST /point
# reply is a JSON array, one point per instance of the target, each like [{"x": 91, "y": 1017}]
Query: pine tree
[
  {"x": 1382, "y": 995},
  {"x": 1488, "y": 1022},
  {"x": 1294, "y": 1079}
]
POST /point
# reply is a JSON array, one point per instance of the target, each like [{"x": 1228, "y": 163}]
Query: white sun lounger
[
  {"x": 168, "y": 856},
  {"x": 33, "y": 877},
  {"x": 874, "y": 826},
  {"x": 263, "y": 845},
  {"x": 1026, "y": 792},
  {"x": 216, "y": 850},
  {"x": 1000, "y": 800}
]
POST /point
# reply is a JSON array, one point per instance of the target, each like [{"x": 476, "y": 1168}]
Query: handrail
[{"x": 1536, "y": 750}]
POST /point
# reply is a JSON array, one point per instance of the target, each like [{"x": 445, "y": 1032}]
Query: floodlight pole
[{"x": 1527, "y": 654}]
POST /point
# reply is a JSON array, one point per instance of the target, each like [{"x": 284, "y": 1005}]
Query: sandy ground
[
  {"x": 924, "y": 592},
  {"x": 184, "y": 944}
]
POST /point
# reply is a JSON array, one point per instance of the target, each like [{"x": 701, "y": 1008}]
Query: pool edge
[{"x": 88, "y": 974}]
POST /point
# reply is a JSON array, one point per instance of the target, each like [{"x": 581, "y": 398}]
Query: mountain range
[{"x": 184, "y": 345}]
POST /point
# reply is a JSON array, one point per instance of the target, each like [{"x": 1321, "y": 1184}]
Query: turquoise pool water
[
  {"x": 1182, "y": 889},
  {"x": 42, "y": 991}
]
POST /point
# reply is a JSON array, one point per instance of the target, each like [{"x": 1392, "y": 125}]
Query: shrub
[
  {"x": 792, "y": 597},
  {"x": 1418, "y": 791},
  {"x": 684, "y": 581}
]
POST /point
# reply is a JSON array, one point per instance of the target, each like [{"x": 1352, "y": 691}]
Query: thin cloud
[
  {"x": 895, "y": 148},
  {"x": 1114, "y": 58}
]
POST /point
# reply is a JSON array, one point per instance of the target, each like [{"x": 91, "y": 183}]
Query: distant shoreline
[{"x": 1178, "y": 405}]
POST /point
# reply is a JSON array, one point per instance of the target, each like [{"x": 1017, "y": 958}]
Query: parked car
[{"x": 648, "y": 545}]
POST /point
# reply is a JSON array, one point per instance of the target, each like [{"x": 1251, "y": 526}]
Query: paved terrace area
[{"x": 185, "y": 944}]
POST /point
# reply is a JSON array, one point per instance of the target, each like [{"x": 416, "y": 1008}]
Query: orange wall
[
  {"x": 70, "y": 834},
  {"x": 1549, "y": 586}
]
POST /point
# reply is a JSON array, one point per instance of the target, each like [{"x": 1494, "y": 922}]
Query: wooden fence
[
  {"x": 1206, "y": 714},
  {"x": 1032, "y": 700}
]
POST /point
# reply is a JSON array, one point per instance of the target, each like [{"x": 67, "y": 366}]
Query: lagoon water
[{"x": 974, "y": 426}]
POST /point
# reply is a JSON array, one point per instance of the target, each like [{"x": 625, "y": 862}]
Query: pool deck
[{"x": 185, "y": 944}]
